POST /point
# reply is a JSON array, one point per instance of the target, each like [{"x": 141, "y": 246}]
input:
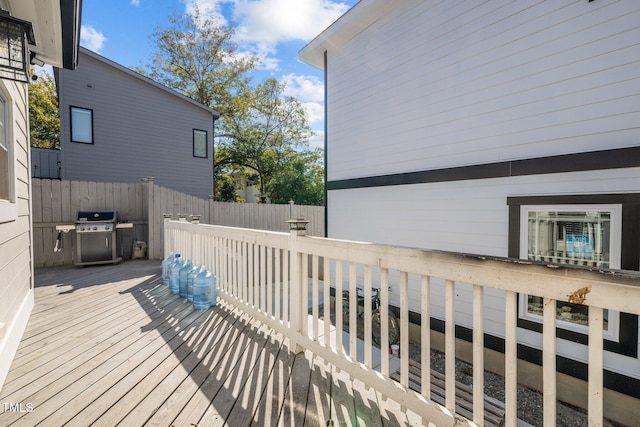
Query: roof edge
[
  {"x": 354, "y": 21},
  {"x": 98, "y": 57}
]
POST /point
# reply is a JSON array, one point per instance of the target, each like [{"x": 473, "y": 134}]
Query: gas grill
[{"x": 96, "y": 237}]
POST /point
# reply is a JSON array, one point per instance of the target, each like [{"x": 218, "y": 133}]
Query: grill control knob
[
  {"x": 95, "y": 228},
  {"x": 81, "y": 228}
]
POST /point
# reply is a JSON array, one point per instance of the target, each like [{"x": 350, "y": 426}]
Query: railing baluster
[
  {"x": 549, "y": 361},
  {"x": 314, "y": 301},
  {"x": 404, "y": 328},
  {"x": 425, "y": 336},
  {"x": 251, "y": 274},
  {"x": 450, "y": 346},
  {"x": 268, "y": 286},
  {"x": 286, "y": 300},
  {"x": 353, "y": 311},
  {"x": 338, "y": 308},
  {"x": 367, "y": 316},
  {"x": 511, "y": 358},
  {"x": 305, "y": 293},
  {"x": 596, "y": 325},
  {"x": 384, "y": 316},
  {"x": 478, "y": 355},
  {"x": 264, "y": 282},
  {"x": 326, "y": 292},
  {"x": 274, "y": 303}
]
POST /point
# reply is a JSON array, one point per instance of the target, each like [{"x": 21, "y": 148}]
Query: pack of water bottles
[{"x": 190, "y": 281}]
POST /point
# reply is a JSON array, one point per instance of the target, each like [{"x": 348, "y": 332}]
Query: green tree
[
  {"x": 301, "y": 180},
  {"x": 264, "y": 131},
  {"x": 44, "y": 114},
  {"x": 197, "y": 57}
]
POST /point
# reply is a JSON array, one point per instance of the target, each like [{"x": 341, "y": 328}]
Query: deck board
[{"x": 109, "y": 345}]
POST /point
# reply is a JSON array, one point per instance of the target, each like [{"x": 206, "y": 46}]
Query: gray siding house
[
  {"x": 56, "y": 27},
  {"x": 117, "y": 125}
]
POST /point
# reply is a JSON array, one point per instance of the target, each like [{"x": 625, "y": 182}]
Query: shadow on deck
[{"x": 110, "y": 345}]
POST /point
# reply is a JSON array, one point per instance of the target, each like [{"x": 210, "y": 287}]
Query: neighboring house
[
  {"x": 117, "y": 125},
  {"x": 500, "y": 128},
  {"x": 245, "y": 186},
  {"x": 56, "y": 30}
]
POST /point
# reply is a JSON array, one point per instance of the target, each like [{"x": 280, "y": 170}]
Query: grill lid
[{"x": 96, "y": 216}]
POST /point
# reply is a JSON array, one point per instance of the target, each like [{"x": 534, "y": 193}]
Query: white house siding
[
  {"x": 16, "y": 271},
  {"x": 460, "y": 83},
  {"x": 429, "y": 86},
  {"x": 139, "y": 130},
  {"x": 466, "y": 216}
]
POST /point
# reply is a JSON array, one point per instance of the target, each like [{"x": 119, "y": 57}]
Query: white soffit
[{"x": 47, "y": 26}]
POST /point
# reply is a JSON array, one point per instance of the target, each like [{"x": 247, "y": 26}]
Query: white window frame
[
  {"x": 8, "y": 207},
  {"x": 613, "y": 331}
]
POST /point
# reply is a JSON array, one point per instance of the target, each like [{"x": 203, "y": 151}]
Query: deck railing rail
[{"x": 273, "y": 274}]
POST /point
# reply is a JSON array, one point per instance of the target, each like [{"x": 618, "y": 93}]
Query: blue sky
[{"x": 273, "y": 30}]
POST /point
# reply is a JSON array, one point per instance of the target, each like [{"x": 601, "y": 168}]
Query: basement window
[{"x": 585, "y": 235}]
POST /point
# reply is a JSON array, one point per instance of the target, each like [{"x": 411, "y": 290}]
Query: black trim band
[{"x": 595, "y": 160}]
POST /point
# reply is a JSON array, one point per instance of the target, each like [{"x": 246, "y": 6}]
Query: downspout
[{"x": 326, "y": 165}]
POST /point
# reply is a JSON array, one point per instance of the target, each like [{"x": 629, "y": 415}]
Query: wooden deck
[{"x": 109, "y": 345}]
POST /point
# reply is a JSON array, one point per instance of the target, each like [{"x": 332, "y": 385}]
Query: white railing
[{"x": 282, "y": 279}]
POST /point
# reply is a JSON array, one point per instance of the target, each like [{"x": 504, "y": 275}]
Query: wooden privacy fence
[{"x": 56, "y": 202}]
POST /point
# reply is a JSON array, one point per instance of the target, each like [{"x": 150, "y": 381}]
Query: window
[
  {"x": 200, "y": 143},
  {"x": 604, "y": 230},
  {"x": 575, "y": 235},
  {"x": 8, "y": 210},
  {"x": 81, "y": 125}
]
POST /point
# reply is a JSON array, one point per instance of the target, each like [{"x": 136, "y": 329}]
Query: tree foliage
[
  {"x": 300, "y": 180},
  {"x": 44, "y": 114},
  {"x": 260, "y": 129},
  {"x": 199, "y": 58},
  {"x": 265, "y": 131}
]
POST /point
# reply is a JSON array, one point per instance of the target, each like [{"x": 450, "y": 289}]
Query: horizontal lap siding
[
  {"x": 470, "y": 217},
  {"x": 15, "y": 235},
  {"x": 440, "y": 84}
]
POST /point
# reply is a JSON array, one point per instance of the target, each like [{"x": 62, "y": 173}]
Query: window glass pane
[
  {"x": 81, "y": 125},
  {"x": 199, "y": 143},
  {"x": 569, "y": 237}
]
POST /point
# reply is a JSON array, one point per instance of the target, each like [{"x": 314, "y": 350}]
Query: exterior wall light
[{"x": 14, "y": 52}]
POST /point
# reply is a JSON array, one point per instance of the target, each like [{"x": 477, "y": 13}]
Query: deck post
[{"x": 298, "y": 302}]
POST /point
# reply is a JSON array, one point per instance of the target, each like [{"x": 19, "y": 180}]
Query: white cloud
[
  {"x": 305, "y": 88},
  {"x": 317, "y": 140},
  {"x": 91, "y": 38},
  {"x": 315, "y": 112},
  {"x": 275, "y": 21},
  {"x": 135, "y": 2},
  {"x": 262, "y": 24}
]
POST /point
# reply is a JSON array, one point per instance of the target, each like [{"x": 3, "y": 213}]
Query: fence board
[{"x": 57, "y": 202}]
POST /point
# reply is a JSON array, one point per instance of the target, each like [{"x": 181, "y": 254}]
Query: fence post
[
  {"x": 212, "y": 204},
  {"x": 147, "y": 186},
  {"x": 167, "y": 244},
  {"x": 298, "y": 303}
]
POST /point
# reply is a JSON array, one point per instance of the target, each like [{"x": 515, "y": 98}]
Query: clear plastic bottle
[
  {"x": 165, "y": 268},
  {"x": 204, "y": 290},
  {"x": 184, "y": 271},
  {"x": 192, "y": 274},
  {"x": 174, "y": 274}
]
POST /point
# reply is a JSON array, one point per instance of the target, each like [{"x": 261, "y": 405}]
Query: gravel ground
[{"x": 529, "y": 401}]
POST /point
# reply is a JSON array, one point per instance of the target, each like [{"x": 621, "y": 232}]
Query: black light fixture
[{"x": 14, "y": 52}]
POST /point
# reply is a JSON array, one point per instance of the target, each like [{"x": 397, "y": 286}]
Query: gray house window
[
  {"x": 200, "y": 143},
  {"x": 81, "y": 125}
]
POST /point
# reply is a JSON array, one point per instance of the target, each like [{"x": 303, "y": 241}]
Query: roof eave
[{"x": 345, "y": 28}]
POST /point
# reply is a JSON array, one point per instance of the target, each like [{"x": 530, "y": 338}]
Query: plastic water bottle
[
  {"x": 204, "y": 290},
  {"x": 165, "y": 268},
  {"x": 192, "y": 274},
  {"x": 182, "y": 286},
  {"x": 174, "y": 274}
]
